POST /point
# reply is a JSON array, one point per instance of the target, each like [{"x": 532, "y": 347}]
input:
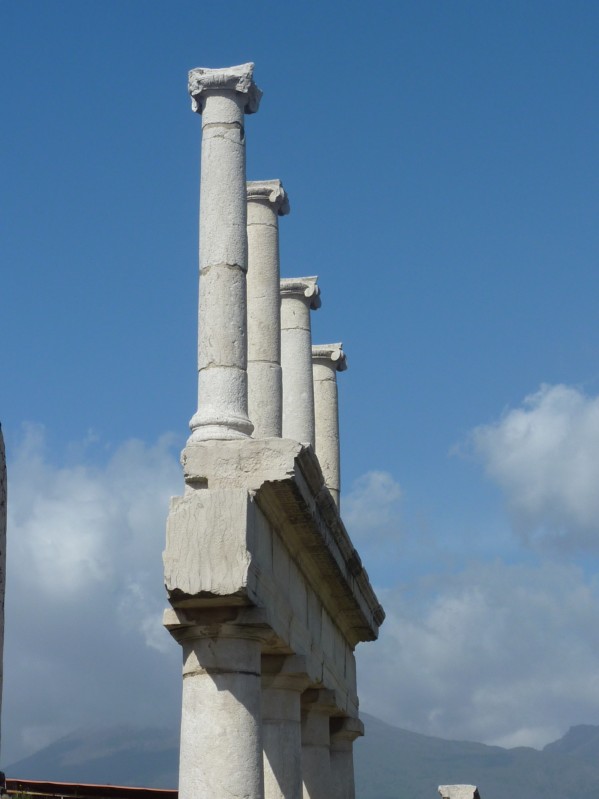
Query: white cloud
[
  {"x": 85, "y": 592},
  {"x": 545, "y": 458},
  {"x": 499, "y": 653},
  {"x": 371, "y": 508}
]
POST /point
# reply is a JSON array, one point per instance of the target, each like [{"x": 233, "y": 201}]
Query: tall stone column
[
  {"x": 222, "y": 97},
  {"x": 221, "y": 737},
  {"x": 2, "y": 553},
  {"x": 283, "y": 680},
  {"x": 327, "y": 360},
  {"x": 317, "y": 708},
  {"x": 344, "y": 732},
  {"x": 267, "y": 201},
  {"x": 298, "y": 297}
]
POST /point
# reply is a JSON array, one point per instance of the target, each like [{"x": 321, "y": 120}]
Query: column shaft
[
  {"x": 344, "y": 732},
  {"x": 283, "y": 680},
  {"x": 221, "y": 741},
  {"x": 327, "y": 360},
  {"x": 267, "y": 201},
  {"x": 298, "y": 296},
  {"x": 222, "y": 97},
  {"x": 316, "y": 757}
]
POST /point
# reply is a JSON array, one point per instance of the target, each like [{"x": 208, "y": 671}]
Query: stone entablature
[{"x": 459, "y": 792}]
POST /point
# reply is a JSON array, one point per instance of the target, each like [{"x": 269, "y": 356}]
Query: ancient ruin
[{"x": 268, "y": 596}]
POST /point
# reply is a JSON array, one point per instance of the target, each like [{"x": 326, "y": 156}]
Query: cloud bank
[
  {"x": 84, "y": 640},
  {"x": 545, "y": 458}
]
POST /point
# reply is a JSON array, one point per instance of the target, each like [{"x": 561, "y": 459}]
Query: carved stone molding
[
  {"x": 239, "y": 79},
  {"x": 270, "y": 191},
  {"x": 330, "y": 352},
  {"x": 302, "y": 286}
]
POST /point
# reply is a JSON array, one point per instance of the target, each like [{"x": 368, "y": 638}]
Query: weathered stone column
[
  {"x": 327, "y": 360},
  {"x": 344, "y": 732},
  {"x": 221, "y": 738},
  {"x": 222, "y": 96},
  {"x": 298, "y": 297},
  {"x": 267, "y": 201},
  {"x": 2, "y": 554},
  {"x": 283, "y": 680},
  {"x": 317, "y": 708}
]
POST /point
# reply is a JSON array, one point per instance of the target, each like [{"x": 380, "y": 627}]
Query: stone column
[
  {"x": 317, "y": 708},
  {"x": 2, "y": 553},
  {"x": 283, "y": 680},
  {"x": 267, "y": 201},
  {"x": 298, "y": 297},
  {"x": 223, "y": 96},
  {"x": 344, "y": 732},
  {"x": 327, "y": 360},
  {"x": 221, "y": 738}
]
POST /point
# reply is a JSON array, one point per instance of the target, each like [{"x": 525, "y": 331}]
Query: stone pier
[
  {"x": 268, "y": 596},
  {"x": 267, "y": 201},
  {"x": 327, "y": 360},
  {"x": 298, "y": 297}
]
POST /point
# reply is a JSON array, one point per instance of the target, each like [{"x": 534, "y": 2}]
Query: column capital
[
  {"x": 302, "y": 287},
  {"x": 270, "y": 191},
  {"x": 330, "y": 352},
  {"x": 346, "y": 729},
  {"x": 319, "y": 700},
  {"x": 239, "y": 79},
  {"x": 286, "y": 672}
]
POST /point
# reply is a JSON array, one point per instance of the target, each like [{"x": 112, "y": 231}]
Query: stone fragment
[{"x": 458, "y": 792}]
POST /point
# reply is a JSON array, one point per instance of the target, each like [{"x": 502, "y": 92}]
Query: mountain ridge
[{"x": 390, "y": 762}]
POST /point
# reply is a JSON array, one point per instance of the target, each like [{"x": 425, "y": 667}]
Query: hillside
[{"x": 391, "y": 763}]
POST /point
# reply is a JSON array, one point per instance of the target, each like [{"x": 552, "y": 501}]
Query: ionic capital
[
  {"x": 330, "y": 354},
  {"x": 269, "y": 191},
  {"x": 239, "y": 79},
  {"x": 302, "y": 287}
]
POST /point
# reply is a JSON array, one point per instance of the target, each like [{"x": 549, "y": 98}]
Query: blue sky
[{"x": 441, "y": 162}]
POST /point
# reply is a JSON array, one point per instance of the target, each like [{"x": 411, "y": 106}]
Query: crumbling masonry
[{"x": 268, "y": 595}]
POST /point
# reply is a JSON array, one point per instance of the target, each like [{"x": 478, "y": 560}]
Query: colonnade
[
  {"x": 256, "y": 721},
  {"x": 257, "y": 369}
]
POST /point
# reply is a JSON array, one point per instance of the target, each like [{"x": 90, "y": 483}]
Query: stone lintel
[
  {"x": 269, "y": 191},
  {"x": 346, "y": 728},
  {"x": 302, "y": 287},
  {"x": 238, "y": 78},
  {"x": 459, "y": 792},
  {"x": 330, "y": 352}
]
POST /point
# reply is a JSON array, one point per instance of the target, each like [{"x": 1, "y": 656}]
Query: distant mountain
[{"x": 391, "y": 763}]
